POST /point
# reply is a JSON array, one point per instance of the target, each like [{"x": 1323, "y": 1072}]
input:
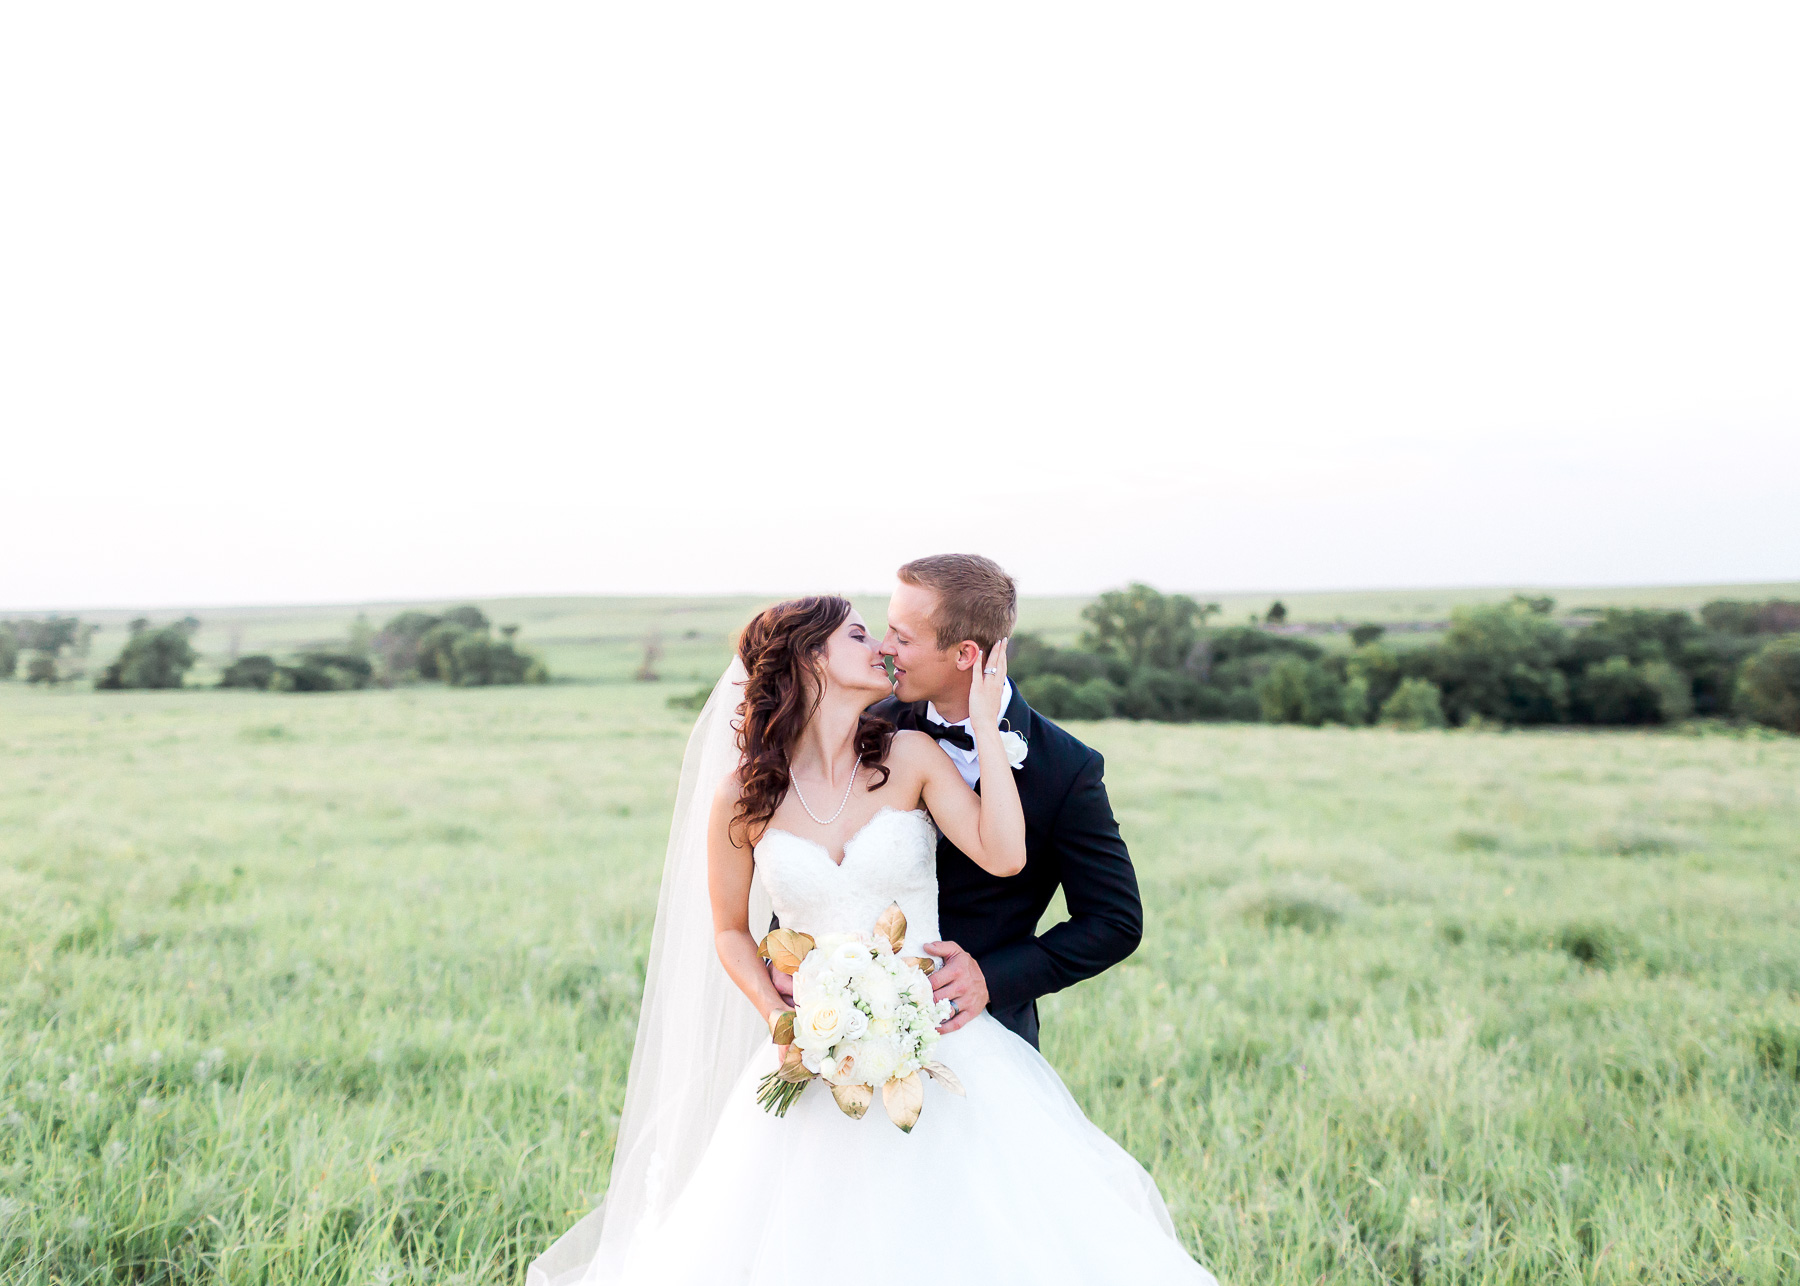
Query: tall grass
[{"x": 341, "y": 989}]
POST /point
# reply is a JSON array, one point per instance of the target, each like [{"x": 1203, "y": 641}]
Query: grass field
[{"x": 341, "y": 989}]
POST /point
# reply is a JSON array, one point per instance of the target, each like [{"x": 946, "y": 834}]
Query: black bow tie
[{"x": 958, "y": 737}]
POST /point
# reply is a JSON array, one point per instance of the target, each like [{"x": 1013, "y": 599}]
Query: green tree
[
  {"x": 1367, "y": 633},
  {"x": 1277, "y": 614},
  {"x": 254, "y": 671},
  {"x": 1415, "y": 704},
  {"x": 152, "y": 658},
  {"x": 9, "y": 651},
  {"x": 1300, "y": 691},
  {"x": 1502, "y": 663},
  {"x": 1769, "y": 685},
  {"x": 1145, "y": 626}
]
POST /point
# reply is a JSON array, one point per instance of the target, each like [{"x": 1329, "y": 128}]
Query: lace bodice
[{"x": 893, "y": 858}]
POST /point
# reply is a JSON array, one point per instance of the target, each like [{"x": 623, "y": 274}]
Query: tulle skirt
[{"x": 1012, "y": 1184}]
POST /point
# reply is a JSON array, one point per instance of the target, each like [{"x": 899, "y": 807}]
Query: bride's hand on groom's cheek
[{"x": 959, "y": 979}]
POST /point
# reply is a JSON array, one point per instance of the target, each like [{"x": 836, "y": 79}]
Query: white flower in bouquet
[
  {"x": 820, "y": 1024},
  {"x": 880, "y": 993},
  {"x": 876, "y": 1060}
]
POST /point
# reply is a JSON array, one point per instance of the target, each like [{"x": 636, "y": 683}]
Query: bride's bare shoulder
[
  {"x": 910, "y": 748},
  {"x": 730, "y": 790}
]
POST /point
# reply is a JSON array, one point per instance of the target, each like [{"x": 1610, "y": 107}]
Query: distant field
[
  {"x": 340, "y": 989},
  {"x": 603, "y": 638}
]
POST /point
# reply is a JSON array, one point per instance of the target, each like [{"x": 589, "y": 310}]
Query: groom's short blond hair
[{"x": 976, "y": 598}]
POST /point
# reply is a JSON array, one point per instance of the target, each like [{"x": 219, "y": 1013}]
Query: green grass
[{"x": 341, "y": 989}]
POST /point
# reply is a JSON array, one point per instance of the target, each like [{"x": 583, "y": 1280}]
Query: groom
[{"x": 945, "y": 616}]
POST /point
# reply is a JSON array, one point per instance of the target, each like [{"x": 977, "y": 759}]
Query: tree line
[
  {"x": 1149, "y": 655},
  {"x": 457, "y": 647}
]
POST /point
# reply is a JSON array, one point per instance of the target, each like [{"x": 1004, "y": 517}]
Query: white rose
[
  {"x": 1014, "y": 746},
  {"x": 919, "y": 991},
  {"x": 848, "y": 959},
  {"x": 876, "y": 1061},
  {"x": 818, "y": 1025}
]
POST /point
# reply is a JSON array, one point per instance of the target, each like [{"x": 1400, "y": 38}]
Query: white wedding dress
[{"x": 1011, "y": 1184}]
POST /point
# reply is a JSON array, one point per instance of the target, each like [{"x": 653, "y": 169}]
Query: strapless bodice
[{"x": 893, "y": 858}]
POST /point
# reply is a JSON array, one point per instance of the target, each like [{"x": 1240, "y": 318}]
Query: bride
[{"x": 794, "y": 799}]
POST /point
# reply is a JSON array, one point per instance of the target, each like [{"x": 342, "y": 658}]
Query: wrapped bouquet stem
[{"x": 863, "y": 1020}]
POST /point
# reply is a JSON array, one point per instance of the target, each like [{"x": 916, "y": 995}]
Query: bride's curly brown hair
[{"x": 783, "y": 649}]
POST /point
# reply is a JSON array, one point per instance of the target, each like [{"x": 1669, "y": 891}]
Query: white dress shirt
[{"x": 967, "y": 762}]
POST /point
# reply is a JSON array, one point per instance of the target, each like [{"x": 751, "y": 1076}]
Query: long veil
[{"x": 695, "y": 1032}]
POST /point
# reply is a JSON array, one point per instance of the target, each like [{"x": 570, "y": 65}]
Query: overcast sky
[{"x": 336, "y": 302}]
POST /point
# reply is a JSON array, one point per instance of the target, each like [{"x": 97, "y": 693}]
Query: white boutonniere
[{"x": 1015, "y": 748}]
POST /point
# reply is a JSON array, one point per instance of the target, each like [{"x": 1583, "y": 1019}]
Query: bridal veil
[{"x": 695, "y": 1032}]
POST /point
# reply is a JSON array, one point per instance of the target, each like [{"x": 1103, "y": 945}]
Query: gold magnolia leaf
[
  {"x": 762, "y": 948},
  {"x": 793, "y": 1071},
  {"x": 781, "y": 1027},
  {"x": 947, "y": 1078},
  {"x": 924, "y": 964},
  {"x": 903, "y": 1097},
  {"x": 853, "y": 1100},
  {"x": 786, "y": 949},
  {"x": 891, "y": 924}
]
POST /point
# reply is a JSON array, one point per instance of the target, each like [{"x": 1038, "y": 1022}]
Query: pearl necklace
[{"x": 823, "y": 821}]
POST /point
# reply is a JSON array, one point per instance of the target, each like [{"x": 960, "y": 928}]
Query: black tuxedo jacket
[{"x": 1071, "y": 839}]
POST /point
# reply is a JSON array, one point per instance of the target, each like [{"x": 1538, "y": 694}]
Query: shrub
[
  {"x": 1674, "y": 691},
  {"x": 1502, "y": 662},
  {"x": 346, "y": 671},
  {"x": 1372, "y": 672},
  {"x": 468, "y": 616},
  {"x": 437, "y": 650},
  {"x": 157, "y": 658},
  {"x": 9, "y": 652},
  {"x": 41, "y": 668},
  {"x": 1615, "y": 691},
  {"x": 1055, "y": 697},
  {"x": 249, "y": 672},
  {"x": 1733, "y": 616},
  {"x": 1367, "y": 633},
  {"x": 1242, "y": 706},
  {"x": 1297, "y": 691},
  {"x": 1095, "y": 699},
  {"x": 1768, "y": 687},
  {"x": 478, "y": 661},
  {"x": 1048, "y": 694},
  {"x": 1028, "y": 656},
  {"x": 1415, "y": 704},
  {"x": 1169, "y": 696}
]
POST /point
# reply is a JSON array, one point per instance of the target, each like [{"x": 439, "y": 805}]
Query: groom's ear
[{"x": 968, "y": 654}]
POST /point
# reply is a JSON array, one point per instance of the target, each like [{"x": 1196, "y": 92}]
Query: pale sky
[{"x": 372, "y": 301}]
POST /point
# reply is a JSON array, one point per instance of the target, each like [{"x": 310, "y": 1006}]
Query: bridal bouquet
[{"x": 864, "y": 1019}]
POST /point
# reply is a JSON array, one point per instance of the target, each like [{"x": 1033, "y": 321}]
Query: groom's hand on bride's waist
[
  {"x": 959, "y": 980},
  {"x": 784, "y": 982}
]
